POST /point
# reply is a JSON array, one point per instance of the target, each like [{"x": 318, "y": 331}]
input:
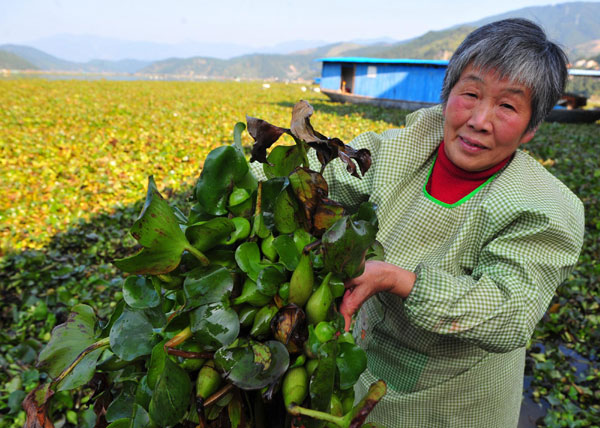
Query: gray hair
[{"x": 519, "y": 50}]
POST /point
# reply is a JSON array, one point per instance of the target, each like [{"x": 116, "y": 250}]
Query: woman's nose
[{"x": 481, "y": 118}]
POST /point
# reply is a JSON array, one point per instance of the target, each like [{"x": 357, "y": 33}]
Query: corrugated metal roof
[
  {"x": 580, "y": 72},
  {"x": 364, "y": 60}
]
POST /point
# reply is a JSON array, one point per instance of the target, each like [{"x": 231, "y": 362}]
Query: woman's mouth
[{"x": 471, "y": 145}]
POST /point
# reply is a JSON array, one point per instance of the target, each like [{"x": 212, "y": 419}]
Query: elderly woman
[{"x": 478, "y": 236}]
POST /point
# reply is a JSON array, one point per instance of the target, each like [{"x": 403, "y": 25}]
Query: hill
[
  {"x": 298, "y": 65},
  {"x": 431, "y": 45},
  {"x": 43, "y": 61},
  {"x": 10, "y": 61},
  {"x": 573, "y": 25}
]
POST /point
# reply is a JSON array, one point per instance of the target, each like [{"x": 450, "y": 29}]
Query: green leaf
[
  {"x": 351, "y": 362},
  {"x": 234, "y": 409},
  {"x": 206, "y": 285},
  {"x": 284, "y": 213},
  {"x": 344, "y": 246},
  {"x": 288, "y": 253},
  {"x": 223, "y": 167},
  {"x": 121, "y": 407},
  {"x": 367, "y": 211},
  {"x": 322, "y": 380},
  {"x": 157, "y": 364},
  {"x": 253, "y": 365},
  {"x": 171, "y": 396},
  {"x": 283, "y": 160},
  {"x": 214, "y": 325},
  {"x": 269, "y": 279},
  {"x": 247, "y": 256},
  {"x": 237, "y": 136},
  {"x": 206, "y": 235},
  {"x": 143, "y": 392},
  {"x": 132, "y": 335},
  {"x": 139, "y": 293},
  {"x": 271, "y": 190},
  {"x": 67, "y": 341},
  {"x": 158, "y": 231}
]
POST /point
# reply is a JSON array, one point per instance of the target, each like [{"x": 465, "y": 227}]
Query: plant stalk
[
  {"x": 179, "y": 338},
  {"x": 94, "y": 346},
  {"x": 199, "y": 255},
  {"x": 341, "y": 421}
]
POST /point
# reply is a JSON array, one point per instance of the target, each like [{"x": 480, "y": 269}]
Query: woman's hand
[{"x": 378, "y": 276}]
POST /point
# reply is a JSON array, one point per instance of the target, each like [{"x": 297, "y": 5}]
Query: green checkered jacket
[{"x": 453, "y": 352}]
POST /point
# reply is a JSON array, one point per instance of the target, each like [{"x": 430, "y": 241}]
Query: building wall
[
  {"x": 331, "y": 76},
  {"x": 394, "y": 81}
]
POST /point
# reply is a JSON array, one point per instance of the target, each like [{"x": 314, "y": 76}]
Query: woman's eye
[{"x": 508, "y": 106}]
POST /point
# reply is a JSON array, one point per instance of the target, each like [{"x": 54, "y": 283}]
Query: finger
[{"x": 346, "y": 311}]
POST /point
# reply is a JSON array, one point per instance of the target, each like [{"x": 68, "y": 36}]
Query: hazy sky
[{"x": 255, "y": 23}]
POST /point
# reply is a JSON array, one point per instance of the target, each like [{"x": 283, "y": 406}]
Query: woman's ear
[{"x": 528, "y": 135}]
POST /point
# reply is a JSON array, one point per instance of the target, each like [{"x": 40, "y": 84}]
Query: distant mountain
[
  {"x": 574, "y": 25},
  {"x": 257, "y": 66},
  {"x": 431, "y": 45},
  {"x": 299, "y": 65},
  {"x": 10, "y": 61},
  {"x": 43, "y": 61},
  {"x": 83, "y": 48}
]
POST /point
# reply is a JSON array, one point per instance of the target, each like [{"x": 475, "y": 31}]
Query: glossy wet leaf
[
  {"x": 132, "y": 335},
  {"x": 139, "y": 292},
  {"x": 271, "y": 190},
  {"x": 367, "y": 211},
  {"x": 323, "y": 378},
  {"x": 285, "y": 247},
  {"x": 269, "y": 279},
  {"x": 375, "y": 252},
  {"x": 206, "y": 285},
  {"x": 345, "y": 245},
  {"x": 351, "y": 362},
  {"x": 222, "y": 257},
  {"x": 67, "y": 341},
  {"x": 139, "y": 418},
  {"x": 234, "y": 409},
  {"x": 157, "y": 231},
  {"x": 282, "y": 161},
  {"x": 171, "y": 396},
  {"x": 214, "y": 325},
  {"x": 247, "y": 256},
  {"x": 245, "y": 366},
  {"x": 223, "y": 167},
  {"x": 237, "y": 136},
  {"x": 121, "y": 407},
  {"x": 206, "y": 235},
  {"x": 156, "y": 364},
  {"x": 284, "y": 213}
]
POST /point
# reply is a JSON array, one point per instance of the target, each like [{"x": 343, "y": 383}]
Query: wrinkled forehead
[{"x": 507, "y": 72}]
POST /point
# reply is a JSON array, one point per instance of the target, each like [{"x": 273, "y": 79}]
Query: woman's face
[{"x": 486, "y": 118}]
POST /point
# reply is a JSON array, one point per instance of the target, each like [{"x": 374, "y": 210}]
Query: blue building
[{"x": 402, "y": 83}]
